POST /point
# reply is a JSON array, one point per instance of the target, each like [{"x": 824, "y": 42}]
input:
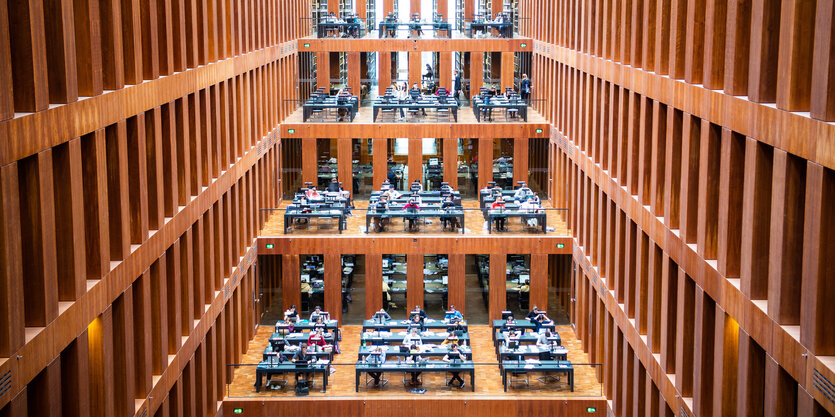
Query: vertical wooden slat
[
  {"x": 11, "y": 282},
  {"x": 415, "y": 160},
  {"x": 61, "y": 53},
  {"x": 290, "y": 282},
  {"x": 7, "y": 102},
  {"x": 797, "y": 28},
  {"x": 373, "y": 283},
  {"x": 345, "y": 164},
  {"x": 333, "y": 285},
  {"x": 450, "y": 152},
  {"x": 69, "y": 221},
  {"x": 414, "y": 281},
  {"x": 379, "y": 162},
  {"x": 28, "y": 53},
  {"x": 457, "y": 284}
]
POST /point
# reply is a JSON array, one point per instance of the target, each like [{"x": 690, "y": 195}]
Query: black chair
[{"x": 546, "y": 356}]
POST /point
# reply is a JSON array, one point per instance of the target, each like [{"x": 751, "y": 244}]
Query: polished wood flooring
[
  {"x": 488, "y": 378},
  {"x": 474, "y": 224},
  {"x": 465, "y": 116}
]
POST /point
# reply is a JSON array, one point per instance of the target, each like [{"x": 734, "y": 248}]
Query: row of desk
[{"x": 526, "y": 358}]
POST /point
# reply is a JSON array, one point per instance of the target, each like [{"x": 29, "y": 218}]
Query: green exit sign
[
  {"x": 238, "y": 410},
  {"x": 270, "y": 246},
  {"x": 524, "y": 45},
  {"x": 291, "y": 131},
  {"x": 591, "y": 409},
  {"x": 538, "y": 130},
  {"x": 560, "y": 245},
  {"x": 307, "y": 45}
]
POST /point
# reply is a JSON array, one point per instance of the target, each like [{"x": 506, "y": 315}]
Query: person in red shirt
[
  {"x": 316, "y": 338},
  {"x": 499, "y": 205}
]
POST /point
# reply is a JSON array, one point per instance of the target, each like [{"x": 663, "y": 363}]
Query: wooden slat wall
[
  {"x": 132, "y": 213},
  {"x": 696, "y": 219}
]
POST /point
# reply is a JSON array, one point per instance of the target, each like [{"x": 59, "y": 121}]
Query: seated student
[
  {"x": 499, "y": 205},
  {"x": 383, "y": 313},
  {"x": 509, "y": 325},
  {"x": 378, "y": 356},
  {"x": 412, "y": 206},
  {"x": 381, "y": 206},
  {"x": 446, "y": 189},
  {"x": 313, "y": 194},
  {"x": 455, "y": 354},
  {"x": 542, "y": 340},
  {"x": 416, "y": 185},
  {"x": 452, "y": 313},
  {"x": 448, "y": 206},
  {"x": 386, "y": 185},
  {"x": 541, "y": 320},
  {"x": 455, "y": 327},
  {"x": 511, "y": 336},
  {"x": 317, "y": 312},
  {"x": 391, "y": 194},
  {"x": 412, "y": 338},
  {"x": 333, "y": 186},
  {"x": 291, "y": 314},
  {"x": 533, "y": 313},
  {"x": 451, "y": 339},
  {"x": 416, "y": 198},
  {"x": 414, "y": 357},
  {"x": 319, "y": 323},
  {"x": 497, "y": 191},
  {"x": 302, "y": 356},
  {"x": 418, "y": 311},
  {"x": 417, "y": 323},
  {"x": 317, "y": 338},
  {"x": 522, "y": 192}
]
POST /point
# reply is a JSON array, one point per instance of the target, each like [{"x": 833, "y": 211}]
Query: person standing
[
  {"x": 456, "y": 85},
  {"x": 525, "y": 87}
]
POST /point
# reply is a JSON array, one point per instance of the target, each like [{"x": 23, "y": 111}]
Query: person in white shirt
[
  {"x": 521, "y": 193},
  {"x": 313, "y": 194},
  {"x": 392, "y": 194},
  {"x": 413, "y": 338}
]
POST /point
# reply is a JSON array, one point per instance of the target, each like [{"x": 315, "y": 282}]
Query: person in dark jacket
[
  {"x": 456, "y": 85},
  {"x": 525, "y": 87}
]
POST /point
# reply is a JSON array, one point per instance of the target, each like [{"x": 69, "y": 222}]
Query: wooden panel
[
  {"x": 290, "y": 282},
  {"x": 485, "y": 165},
  {"x": 506, "y": 69},
  {"x": 11, "y": 284},
  {"x": 28, "y": 51},
  {"x": 309, "y": 163},
  {"x": 539, "y": 281},
  {"x": 414, "y": 281},
  {"x": 450, "y": 152},
  {"x": 476, "y": 72},
  {"x": 415, "y": 69},
  {"x": 323, "y": 70},
  {"x": 415, "y": 160},
  {"x": 354, "y": 72},
  {"x": 373, "y": 284},
  {"x": 344, "y": 159},
  {"x": 379, "y": 162},
  {"x": 520, "y": 159},
  {"x": 457, "y": 284},
  {"x": 444, "y": 63},
  {"x": 498, "y": 281},
  {"x": 333, "y": 285},
  {"x": 384, "y": 71}
]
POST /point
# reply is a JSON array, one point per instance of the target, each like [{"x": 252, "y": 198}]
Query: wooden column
[
  {"x": 485, "y": 162},
  {"x": 476, "y": 72},
  {"x": 333, "y": 285},
  {"x": 539, "y": 281},
  {"x": 445, "y": 70},
  {"x": 497, "y": 7},
  {"x": 451, "y": 162},
  {"x": 290, "y": 282},
  {"x": 443, "y": 8},
  {"x": 388, "y": 7},
  {"x": 750, "y": 377},
  {"x": 415, "y": 6},
  {"x": 354, "y": 73},
  {"x": 12, "y": 329},
  {"x": 507, "y": 68},
  {"x": 498, "y": 283},
  {"x": 309, "y": 151},
  {"x": 379, "y": 162},
  {"x": 361, "y": 9},
  {"x": 373, "y": 283},
  {"x": 344, "y": 163},
  {"x": 323, "y": 70},
  {"x": 520, "y": 159},
  {"x": 333, "y": 6},
  {"x": 457, "y": 282},
  {"x": 469, "y": 9},
  {"x": 415, "y": 160},
  {"x": 816, "y": 305},
  {"x": 28, "y": 53},
  {"x": 414, "y": 280},
  {"x": 415, "y": 69},
  {"x": 384, "y": 71}
]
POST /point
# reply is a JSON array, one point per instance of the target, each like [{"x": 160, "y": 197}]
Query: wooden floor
[
  {"x": 474, "y": 224},
  {"x": 488, "y": 379},
  {"x": 465, "y": 116}
]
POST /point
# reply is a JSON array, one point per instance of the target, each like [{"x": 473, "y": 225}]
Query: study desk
[
  {"x": 420, "y": 214},
  {"x": 351, "y": 106},
  {"x": 432, "y": 366},
  {"x": 389, "y": 338},
  {"x": 297, "y": 338},
  {"x": 480, "y": 106},
  {"x": 388, "y": 28},
  {"x": 304, "y": 325},
  {"x": 423, "y": 103},
  {"x": 504, "y": 29},
  {"x": 523, "y": 367},
  {"x": 268, "y": 370},
  {"x": 532, "y": 351},
  {"x": 506, "y": 214},
  {"x": 290, "y": 216},
  {"x": 352, "y": 29},
  {"x": 390, "y": 325},
  {"x": 435, "y": 351}
]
